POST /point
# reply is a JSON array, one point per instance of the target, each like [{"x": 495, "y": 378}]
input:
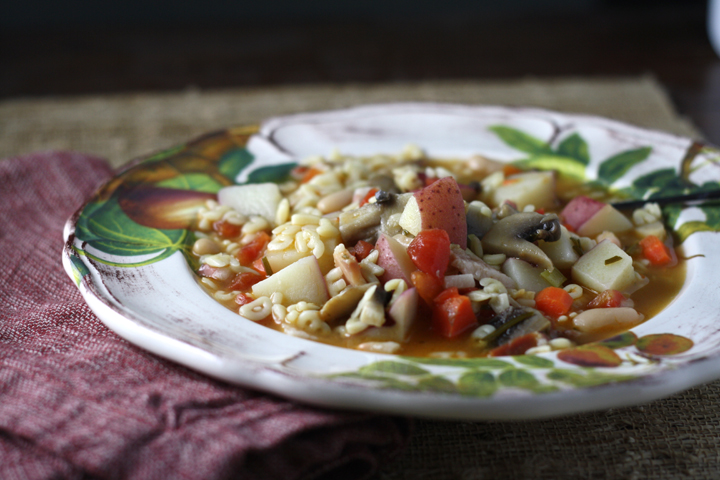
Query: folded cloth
[{"x": 77, "y": 401}]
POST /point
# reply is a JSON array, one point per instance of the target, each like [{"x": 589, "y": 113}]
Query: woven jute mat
[{"x": 677, "y": 437}]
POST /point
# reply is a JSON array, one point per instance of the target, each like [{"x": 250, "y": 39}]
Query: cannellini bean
[
  {"x": 609, "y": 236},
  {"x": 205, "y": 246},
  {"x": 598, "y": 318},
  {"x": 335, "y": 201}
]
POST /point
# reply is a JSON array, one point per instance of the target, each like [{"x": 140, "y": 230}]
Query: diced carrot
[
  {"x": 655, "y": 250},
  {"x": 226, "y": 229},
  {"x": 310, "y": 174},
  {"x": 517, "y": 346},
  {"x": 607, "y": 299},
  {"x": 370, "y": 194},
  {"x": 511, "y": 170},
  {"x": 430, "y": 251},
  {"x": 553, "y": 301},
  {"x": 361, "y": 249},
  {"x": 445, "y": 294},
  {"x": 428, "y": 286},
  {"x": 452, "y": 313},
  {"x": 251, "y": 251}
]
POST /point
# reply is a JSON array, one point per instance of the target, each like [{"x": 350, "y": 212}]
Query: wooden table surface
[{"x": 664, "y": 39}]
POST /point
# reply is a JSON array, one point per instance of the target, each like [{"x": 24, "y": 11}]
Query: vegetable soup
[{"x": 447, "y": 258}]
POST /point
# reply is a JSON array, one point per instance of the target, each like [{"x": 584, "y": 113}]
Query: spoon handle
[{"x": 691, "y": 198}]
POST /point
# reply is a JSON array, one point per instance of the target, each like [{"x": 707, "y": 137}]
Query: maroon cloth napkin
[{"x": 77, "y": 401}]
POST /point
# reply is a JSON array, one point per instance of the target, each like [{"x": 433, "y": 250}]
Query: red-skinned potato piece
[
  {"x": 579, "y": 210},
  {"x": 393, "y": 257},
  {"x": 439, "y": 205}
]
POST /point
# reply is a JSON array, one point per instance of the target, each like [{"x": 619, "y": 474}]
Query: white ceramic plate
[{"x": 128, "y": 262}]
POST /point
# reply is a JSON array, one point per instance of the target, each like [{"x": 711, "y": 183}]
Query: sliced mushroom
[
  {"x": 343, "y": 304},
  {"x": 467, "y": 262},
  {"x": 366, "y": 222},
  {"x": 370, "y": 311},
  {"x": 513, "y": 236}
]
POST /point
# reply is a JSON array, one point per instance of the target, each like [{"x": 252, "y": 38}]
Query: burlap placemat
[
  {"x": 678, "y": 437},
  {"x": 122, "y": 127}
]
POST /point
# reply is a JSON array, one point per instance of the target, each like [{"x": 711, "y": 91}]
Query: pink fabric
[{"x": 76, "y": 401}]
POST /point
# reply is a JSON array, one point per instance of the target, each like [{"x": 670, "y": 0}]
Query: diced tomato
[
  {"x": 655, "y": 250},
  {"x": 226, "y": 229},
  {"x": 245, "y": 280},
  {"x": 452, "y": 313},
  {"x": 250, "y": 252},
  {"x": 510, "y": 181},
  {"x": 430, "y": 251},
  {"x": 553, "y": 301},
  {"x": 511, "y": 170},
  {"x": 259, "y": 267},
  {"x": 428, "y": 286},
  {"x": 607, "y": 299},
  {"x": 517, "y": 346},
  {"x": 361, "y": 249},
  {"x": 370, "y": 194},
  {"x": 541, "y": 211},
  {"x": 243, "y": 299}
]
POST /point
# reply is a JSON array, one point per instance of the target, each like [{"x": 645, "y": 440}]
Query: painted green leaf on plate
[
  {"x": 533, "y": 361},
  {"x": 521, "y": 141},
  {"x": 575, "y": 147},
  {"x": 234, "y": 161},
  {"x": 436, "y": 383},
  {"x": 198, "y": 182},
  {"x": 586, "y": 377},
  {"x": 394, "y": 368},
  {"x": 518, "y": 378},
  {"x": 272, "y": 173},
  {"x": 477, "y": 383},
  {"x": 612, "y": 169},
  {"x": 107, "y": 228},
  {"x": 463, "y": 362}
]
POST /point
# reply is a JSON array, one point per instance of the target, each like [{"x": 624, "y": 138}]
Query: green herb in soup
[{"x": 418, "y": 256}]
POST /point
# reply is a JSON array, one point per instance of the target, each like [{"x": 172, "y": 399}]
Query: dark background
[{"x": 82, "y": 47}]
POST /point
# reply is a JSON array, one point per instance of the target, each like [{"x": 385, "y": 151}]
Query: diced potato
[
  {"x": 301, "y": 281},
  {"x": 592, "y": 272},
  {"x": 279, "y": 259},
  {"x": 525, "y": 275},
  {"x": 606, "y": 219},
  {"x": 393, "y": 257},
  {"x": 561, "y": 252},
  {"x": 532, "y": 188},
  {"x": 252, "y": 199},
  {"x": 654, "y": 228}
]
